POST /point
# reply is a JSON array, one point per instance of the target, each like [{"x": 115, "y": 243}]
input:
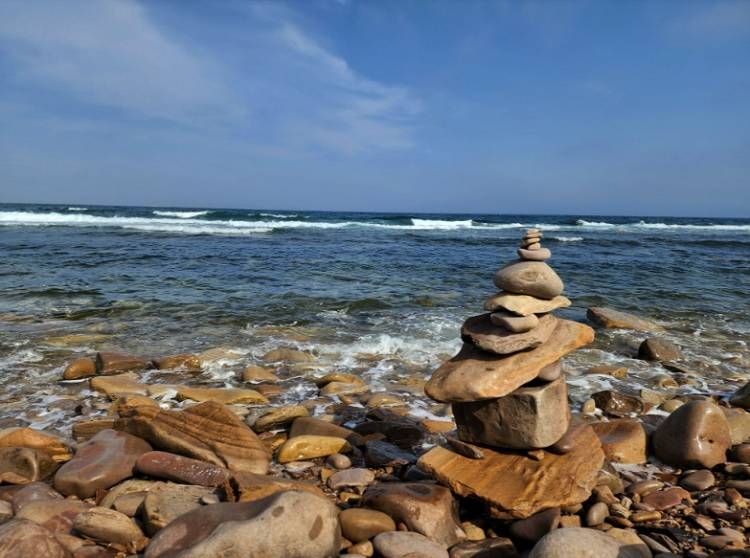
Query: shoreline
[{"x": 386, "y": 442}]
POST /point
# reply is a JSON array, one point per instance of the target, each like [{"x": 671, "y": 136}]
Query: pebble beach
[{"x": 182, "y": 383}]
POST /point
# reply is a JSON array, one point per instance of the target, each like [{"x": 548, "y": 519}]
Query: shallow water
[{"x": 379, "y": 295}]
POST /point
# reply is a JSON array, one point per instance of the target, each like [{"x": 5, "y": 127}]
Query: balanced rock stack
[{"x": 508, "y": 393}]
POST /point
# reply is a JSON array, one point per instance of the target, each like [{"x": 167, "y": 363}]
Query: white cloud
[{"x": 268, "y": 82}]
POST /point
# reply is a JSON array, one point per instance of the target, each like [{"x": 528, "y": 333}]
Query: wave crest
[{"x": 181, "y": 214}]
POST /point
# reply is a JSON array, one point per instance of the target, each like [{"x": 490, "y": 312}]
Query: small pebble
[{"x": 338, "y": 461}]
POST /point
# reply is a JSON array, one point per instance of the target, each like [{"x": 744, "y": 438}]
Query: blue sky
[{"x": 590, "y": 107}]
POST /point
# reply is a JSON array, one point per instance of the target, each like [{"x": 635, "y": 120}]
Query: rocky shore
[{"x": 499, "y": 466}]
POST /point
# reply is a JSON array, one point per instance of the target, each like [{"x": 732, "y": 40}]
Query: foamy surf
[{"x": 181, "y": 214}]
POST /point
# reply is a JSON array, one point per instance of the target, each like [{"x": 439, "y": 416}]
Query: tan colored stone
[
  {"x": 538, "y": 255},
  {"x": 118, "y": 384},
  {"x": 361, "y": 524},
  {"x": 623, "y": 440},
  {"x": 248, "y": 487},
  {"x": 130, "y": 401},
  {"x": 53, "y": 446},
  {"x": 186, "y": 362},
  {"x": 482, "y": 332},
  {"x": 515, "y": 485},
  {"x": 208, "y": 431},
  {"x": 256, "y": 374},
  {"x": 279, "y": 418},
  {"x": 80, "y": 368},
  {"x": 24, "y": 465},
  {"x": 524, "y": 305},
  {"x": 288, "y": 355},
  {"x": 337, "y": 377},
  {"x": 309, "y": 447},
  {"x": 529, "y": 278},
  {"x": 226, "y": 396},
  {"x": 533, "y": 416},
  {"x": 474, "y": 374},
  {"x": 342, "y": 388},
  {"x": 438, "y": 426},
  {"x": 609, "y": 369},
  {"x": 112, "y": 527},
  {"x": 112, "y": 363},
  {"x": 615, "y": 319},
  {"x": 88, "y": 428},
  {"x": 513, "y": 322}
]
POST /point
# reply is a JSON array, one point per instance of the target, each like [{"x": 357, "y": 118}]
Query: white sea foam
[
  {"x": 278, "y": 215},
  {"x": 74, "y": 208},
  {"x": 568, "y": 238},
  {"x": 181, "y": 214},
  {"x": 440, "y": 224},
  {"x": 667, "y": 226},
  {"x": 584, "y": 223}
]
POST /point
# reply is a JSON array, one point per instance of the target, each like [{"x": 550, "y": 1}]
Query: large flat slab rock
[
  {"x": 482, "y": 332},
  {"x": 616, "y": 319},
  {"x": 207, "y": 431},
  {"x": 514, "y": 485},
  {"x": 473, "y": 374}
]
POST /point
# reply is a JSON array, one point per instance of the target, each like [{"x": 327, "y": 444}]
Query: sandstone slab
[
  {"x": 226, "y": 396},
  {"x": 474, "y": 374},
  {"x": 524, "y": 305},
  {"x": 513, "y": 484},
  {"x": 50, "y": 444},
  {"x": 482, "y": 332},
  {"x": 286, "y": 525},
  {"x": 428, "y": 509},
  {"x": 616, "y": 319},
  {"x": 533, "y": 416},
  {"x": 280, "y": 417},
  {"x": 100, "y": 463},
  {"x": 112, "y": 363},
  {"x": 513, "y": 322},
  {"x": 208, "y": 431},
  {"x": 310, "y": 447},
  {"x": 249, "y": 487},
  {"x": 118, "y": 384},
  {"x": 529, "y": 278},
  {"x": 182, "y": 362}
]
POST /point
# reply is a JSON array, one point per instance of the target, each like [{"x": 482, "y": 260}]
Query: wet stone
[
  {"x": 178, "y": 468},
  {"x": 535, "y": 527},
  {"x": 617, "y": 404},
  {"x": 699, "y": 480}
]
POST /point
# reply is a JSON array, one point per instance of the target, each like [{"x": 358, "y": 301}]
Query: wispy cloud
[{"x": 288, "y": 88}]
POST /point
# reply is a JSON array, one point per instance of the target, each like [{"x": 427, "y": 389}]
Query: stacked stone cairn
[{"x": 508, "y": 393}]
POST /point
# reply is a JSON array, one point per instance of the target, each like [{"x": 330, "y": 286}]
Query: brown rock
[
  {"x": 535, "y": 527},
  {"x": 118, "y": 384},
  {"x": 166, "y": 502},
  {"x": 177, "y": 468},
  {"x": 515, "y": 485},
  {"x": 340, "y": 377},
  {"x": 659, "y": 350},
  {"x": 309, "y": 447},
  {"x": 383, "y": 454},
  {"x": 31, "y": 493},
  {"x": 615, "y": 319},
  {"x": 741, "y": 397},
  {"x": 80, "y": 368},
  {"x": 288, "y": 355},
  {"x": 100, "y": 463},
  {"x": 695, "y": 435},
  {"x": 665, "y": 499},
  {"x": 529, "y": 278},
  {"x": 496, "y": 547},
  {"x": 623, "y": 440},
  {"x": 401, "y": 544},
  {"x": 609, "y": 370},
  {"x": 289, "y": 524},
  {"x": 316, "y": 427},
  {"x": 226, "y": 396},
  {"x": 55, "y": 515},
  {"x": 617, "y": 404},
  {"x": 360, "y": 524},
  {"x": 351, "y": 478},
  {"x": 255, "y": 374},
  {"x": 474, "y": 375},
  {"x": 533, "y": 416},
  {"x": 184, "y": 362},
  {"x": 482, "y": 332},
  {"x": 249, "y": 487},
  {"x": 514, "y": 322},
  {"x": 35, "y": 439},
  {"x": 110, "y": 527},
  {"x": 20, "y": 538},
  {"x": 739, "y": 424},
  {"x": 538, "y": 255},
  {"x": 25, "y": 465},
  {"x": 207, "y": 431},
  {"x": 425, "y": 508},
  {"x": 112, "y": 363},
  {"x": 524, "y": 305},
  {"x": 279, "y": 417},
  {"x": 698, "y": 480},
  {"x": 551, "y": 372},
  {"x": 85, "y": 429}
]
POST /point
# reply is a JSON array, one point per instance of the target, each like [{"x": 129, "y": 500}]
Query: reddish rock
[
  {"x": 54, "y": 515},
  {"x": 102, "y": 462},
  {"x": 20, "y": 538},
  {"x": 623, "y": 440},
  {"x": 31, "y": 493},
  {"x": 112, "y": 363},
  {"x": 170, "y": 466},
  {"x": 428, "y": 509},
  {"x": 80, "y": 368}
]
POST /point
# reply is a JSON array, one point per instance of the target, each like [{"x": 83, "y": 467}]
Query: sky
[{"x": 547, "y": 107}]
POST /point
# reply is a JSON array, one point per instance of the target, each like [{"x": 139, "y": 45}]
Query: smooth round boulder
[
  {"x": 538, "y": 255},
  {"x": 623, "y": 440},
  {"x": 660, "y": 350},
  {"x": 361, "y": 524},
  {"x": 111, "y": 527},
  {"x": 579, "y": 542},
  {"x": 529, "y": 278},
  {"x": 695, "y": 435}
]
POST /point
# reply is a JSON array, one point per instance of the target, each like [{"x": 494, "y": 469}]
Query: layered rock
[{"x": 208, "y": 431}]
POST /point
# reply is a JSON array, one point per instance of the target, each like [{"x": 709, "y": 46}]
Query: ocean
[{"x": 379, "y": 295}]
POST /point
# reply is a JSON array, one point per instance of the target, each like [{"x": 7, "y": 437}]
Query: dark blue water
[{"x": 392, "y": 287}]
